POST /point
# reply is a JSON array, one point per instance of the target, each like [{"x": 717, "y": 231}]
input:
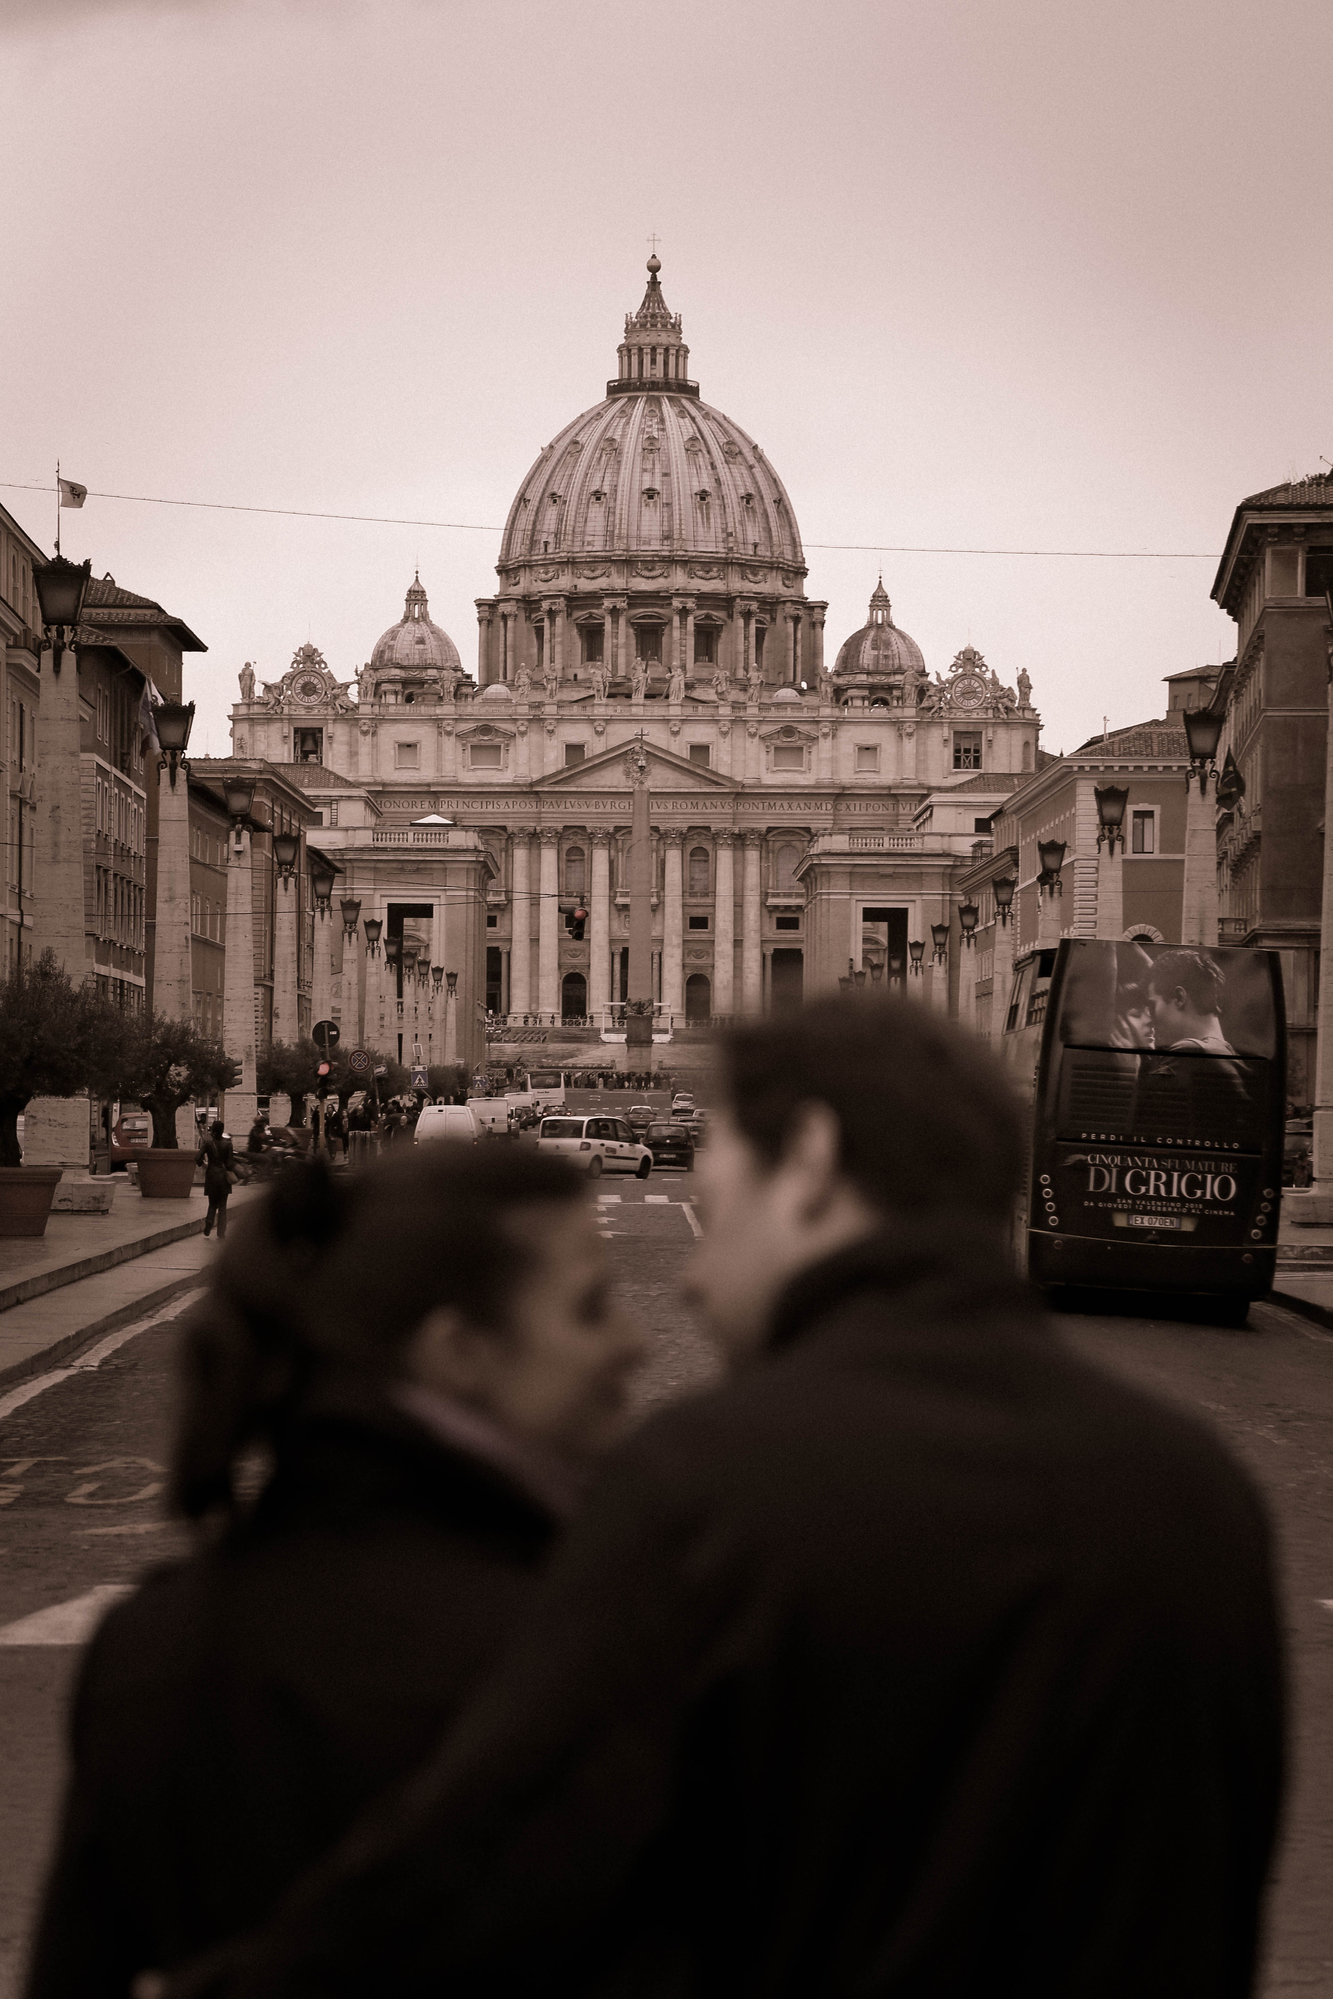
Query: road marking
[
  {"x": 687, "y": 1209},
  {"x": 130, "y": 1527},
  {"x": 663, "y": 1199},
  {"x": 602, "y": 1198},
  {"x": 95, "y": 1354},
  {"x": 70, "y": 1623},
  {"x": 1325, "y": 1602}
]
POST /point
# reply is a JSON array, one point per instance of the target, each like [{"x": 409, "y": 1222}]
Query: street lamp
[
  {"x": 239, "y": 793},
  {"x": 372, "y": 927},
  {"x": 393, "y": 950},
  {"x": 351, "y": 909},
  {"x": 1203, "y": 732},
  {"x": 322, "y": 878},
  {"x": 286, "y": 847},
  {"x": 437, "y": 974},
  {"x": 173, "y": 721},
  {"x": 452, "y": 979},
  {"x": 1051, "y": 854},
  {"x": 967, "y": 920},
  {"x": 423, "y": 970},
  {"x": 60, "y": 585},
  {"x": 940, "y": 937},
  {"x": 1002, "y": 888},
  {"x": 916, "y": 951},
  {"x": 1111, "y": 802}
]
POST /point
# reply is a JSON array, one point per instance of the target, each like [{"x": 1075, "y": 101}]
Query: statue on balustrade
[{"x": 676, "y": 683}]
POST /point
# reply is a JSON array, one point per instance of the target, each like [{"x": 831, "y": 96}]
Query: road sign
[
  {"x": 327, "y": 1034},
  {"x": 381, "y": 1069},
  {"x": 359, "y": 1061},
  {"x": 419, "y": 1081}
]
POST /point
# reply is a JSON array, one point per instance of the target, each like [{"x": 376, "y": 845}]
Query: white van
[
  {"x": 446, "y": 1121},
  {"x": 601, "y": 1144},
  {"x": 491, "y": 1116}
]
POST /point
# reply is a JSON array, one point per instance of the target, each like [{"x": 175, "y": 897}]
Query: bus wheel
[
  {"x": 595, "y": 1167},
  {"x": 1229, "y": 1311}
]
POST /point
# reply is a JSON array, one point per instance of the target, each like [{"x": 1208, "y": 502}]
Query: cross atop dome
[{"x": 653, "y": 354}]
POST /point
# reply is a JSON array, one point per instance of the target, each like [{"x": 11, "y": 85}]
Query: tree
[
  {"x": 167, "y": 1064},
  {"x": 56, "y": 1040},
  {"x": 448, "y": 1080},
  {"x": 292, "y": 1070}
]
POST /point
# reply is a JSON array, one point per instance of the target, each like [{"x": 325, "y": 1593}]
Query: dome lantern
[
  {"x": 416, "y": 651},
  {"x": 653, "y": 354}
]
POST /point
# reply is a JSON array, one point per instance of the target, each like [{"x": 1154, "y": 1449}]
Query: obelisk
[{"x": 639, "y": 1010}]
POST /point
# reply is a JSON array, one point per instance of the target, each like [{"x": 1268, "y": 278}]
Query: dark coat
[
  {"x": 236, "y": 1714},
  {"x": 217, "y": 1156},
  {"x": 922, "y": 1659}
]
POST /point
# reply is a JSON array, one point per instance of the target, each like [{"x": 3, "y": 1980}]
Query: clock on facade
[
  {"x": 308, "y": 688},
  {"x": 969, "y": 690}
]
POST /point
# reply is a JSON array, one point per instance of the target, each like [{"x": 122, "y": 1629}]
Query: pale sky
[{"x": 986, "y": 275}]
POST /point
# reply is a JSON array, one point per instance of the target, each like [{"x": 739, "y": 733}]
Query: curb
[
  {"x": 1321, "y": 1315},
  {"x": 110, "y": 1322},
  {"x": 92, "y": 1266}
]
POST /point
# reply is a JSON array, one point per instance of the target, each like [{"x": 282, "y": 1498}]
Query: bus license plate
[{"x": 1154, "y": 1221}]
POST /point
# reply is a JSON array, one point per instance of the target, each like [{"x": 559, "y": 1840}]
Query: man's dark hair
[
  {"x": 1202, "y": 978},
  {"x": 927, "y": 1117}
]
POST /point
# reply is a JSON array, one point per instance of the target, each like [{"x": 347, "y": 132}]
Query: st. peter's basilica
[{"x": 807, "y": 821}]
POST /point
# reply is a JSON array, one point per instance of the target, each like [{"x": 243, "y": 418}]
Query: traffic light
[
  {"x": 233, "y": 1081},
  {"x": 575, "y": 921},
  {"x": 323, "y": 1074}
]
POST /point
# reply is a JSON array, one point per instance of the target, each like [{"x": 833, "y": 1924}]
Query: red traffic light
[{"x": 323, "y": 1069}]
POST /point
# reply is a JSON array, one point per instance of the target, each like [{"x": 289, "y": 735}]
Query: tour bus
[{"x": 1156, "y": 1079}]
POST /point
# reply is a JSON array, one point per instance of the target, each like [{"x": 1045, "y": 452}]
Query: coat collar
[{"x": 940, "y": 1264}]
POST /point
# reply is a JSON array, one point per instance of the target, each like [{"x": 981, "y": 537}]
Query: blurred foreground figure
[
  {"x": 920, "y": 1659},
  {"x": 414, "y": 1355}
]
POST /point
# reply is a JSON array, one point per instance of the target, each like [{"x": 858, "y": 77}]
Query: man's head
[
  {"x": 839, "y": 1119},
  {"x": 218, "y": 1129},
  {"x": 1185, "y": 991}
]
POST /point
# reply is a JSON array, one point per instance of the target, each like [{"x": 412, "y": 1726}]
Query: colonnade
[{"x": 536, "y": 987}]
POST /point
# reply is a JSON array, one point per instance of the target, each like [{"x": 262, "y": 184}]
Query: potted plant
[
  {"x": 167, "y": 1064},
  {"x": 291, "y": 1070},
  {"x": 56, "y": 1040}
]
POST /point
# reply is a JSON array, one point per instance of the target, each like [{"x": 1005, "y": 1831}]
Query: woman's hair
[{"x": 329, "y": 1276}]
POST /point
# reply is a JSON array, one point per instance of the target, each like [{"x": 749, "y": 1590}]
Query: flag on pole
[
  {"x": 147, "y": 721},
  {"x": 72, "y": 494}
]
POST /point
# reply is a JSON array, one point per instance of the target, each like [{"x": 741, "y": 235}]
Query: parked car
[
  {"x": 446, "y": 1121},
  {"x": 641, "y": 1116},
  {"x": 598, "y": 1144},
  {"x": 132, "y": 1131},
  {"x": 670, "y": 1145}
]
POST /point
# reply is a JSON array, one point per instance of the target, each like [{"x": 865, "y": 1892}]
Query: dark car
[
  {"x": 640, "y": 1116},
  {"x": 670, "y": 1145}
]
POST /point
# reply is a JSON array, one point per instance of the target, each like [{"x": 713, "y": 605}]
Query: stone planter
[
  {"x": 26, "y": 1193},
  {"x": 166, "y": 1173}
]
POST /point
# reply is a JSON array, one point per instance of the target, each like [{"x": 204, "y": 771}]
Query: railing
[
  {"x": 411, "y": 836},
  {"x": 895, "y": 843}
]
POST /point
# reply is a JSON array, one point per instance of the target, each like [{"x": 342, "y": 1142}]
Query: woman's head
[{"x": 481, "y": 1276}]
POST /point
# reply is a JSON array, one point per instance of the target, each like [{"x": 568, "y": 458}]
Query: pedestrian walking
[
  {"x": 424, "y": 1354},
  {"x": 920, "y": 1658},
  {"x": 218, "y": 1158}
]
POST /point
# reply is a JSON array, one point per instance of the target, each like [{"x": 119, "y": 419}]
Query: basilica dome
[
  {"x": 415, "y": 643},
  {"x": 652, "y": 469},
  {"x": 879, "y": 651}
]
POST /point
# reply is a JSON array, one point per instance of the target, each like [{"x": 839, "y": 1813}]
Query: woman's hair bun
[{"x": 307, "y": 1205}]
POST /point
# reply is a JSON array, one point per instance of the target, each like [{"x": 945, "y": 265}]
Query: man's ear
[
  {"x": 813, "y": 1156},
  {"x": 448, "y": 1354}
]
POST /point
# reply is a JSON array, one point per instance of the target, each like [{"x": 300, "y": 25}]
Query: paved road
[{"x": 80, "y": 1466}]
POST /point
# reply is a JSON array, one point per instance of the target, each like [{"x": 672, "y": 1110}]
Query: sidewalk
[
  {"x": 90, "y": 1274},
  {"x": 1304, "y": 1279}
]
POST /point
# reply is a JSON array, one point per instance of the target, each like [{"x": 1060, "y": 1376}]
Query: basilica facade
[{"x": 808, "y": 819}]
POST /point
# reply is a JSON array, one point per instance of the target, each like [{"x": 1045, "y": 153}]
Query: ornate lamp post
[
  {"x": 451, "y": 1017},
  {"x": 939, "y": 967},
  {"x": 1198, "y": 915},
  {"x": 1051, "y": 856},
  {"x": 323, "y": 875},
  {"x": 968, "y": 915},
  {"x": 173, "y": 971},
  {"x": 1111, "y": 802},
  {"x": 286, "y": 1010},
  {"x": 916, "y": 951},
  {"x": 353, "y": 967},
  {"x": 1003, "y": 889},
  {"x": 60, "y": 585},
  {"x": 939, "y": 935},
  {"x": 238, "y": 995}
]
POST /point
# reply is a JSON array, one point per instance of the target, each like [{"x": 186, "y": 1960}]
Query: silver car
[{"x": 598, "y": 1144}]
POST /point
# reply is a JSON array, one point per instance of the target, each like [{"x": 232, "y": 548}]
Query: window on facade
[
  {"x": 705, "y": 645},
  {"x": 1143, "y": 833},
  {"x": 787, "y": 923},
  {"x": 701, "y": 753},
  {"x": 407, "y": 756},
  {"x": 981, "y": 825},
  {"x": 576, "y": 881},
  {"x": 967, "y": 749},
  {"x": 308, "y": 746},
  {"x": 698, "y": 923},
  {"x": 1318, "y": 571},
  {"x": 594, "y": 642},
  {"x": 648, "y": 643},
  {"x": 788, "y": 756},
  {"x": 698, "y": 871},
  {"x": 867, "y": 756},
  {"x": 492, "y": 922},
  {"x": 575, "y": 752},
  {"x": 784, "y": 866},
  {"x": 760, "y": 634},
  {"x": 486, "y": 756}
]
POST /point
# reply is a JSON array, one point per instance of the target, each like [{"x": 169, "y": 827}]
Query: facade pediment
[{"x": 667, "y": 771}]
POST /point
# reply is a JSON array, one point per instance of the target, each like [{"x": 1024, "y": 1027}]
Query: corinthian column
[
  {"x": 548, "y": 921},
  {"x": 520, "y": 920},
  {"x": 673, "y": 926},
  {"x": 724, "y": 924},
  {"x": 599, "y": 926},
  {"x": 752, "y": 955}
]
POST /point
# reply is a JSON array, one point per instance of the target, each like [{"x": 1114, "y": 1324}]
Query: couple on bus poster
[{"x": 1168, "y": 998}]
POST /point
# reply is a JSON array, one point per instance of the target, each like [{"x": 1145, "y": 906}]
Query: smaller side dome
[
  {"x": 879, "y": 658},
  {"x": 415, "y": 643}
]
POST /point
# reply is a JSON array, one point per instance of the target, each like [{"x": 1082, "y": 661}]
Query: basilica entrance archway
[
  {"x": 573, "y": 998},
  {"x": 698, "y": 998}
]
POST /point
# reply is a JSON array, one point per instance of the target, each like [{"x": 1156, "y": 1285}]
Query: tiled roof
[
  {"x": 1158, "y": 741},
  {"x": 318, "y": 777},
  {"x": 1006, "y": 780},
  {"x": 1314, "y": 491},
  {"x": 125, "y": 608}
]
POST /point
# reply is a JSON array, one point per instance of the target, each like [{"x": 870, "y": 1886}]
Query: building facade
[
  {"x": 20, "y": 625},
  {"x": 651, "y": 590}
]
